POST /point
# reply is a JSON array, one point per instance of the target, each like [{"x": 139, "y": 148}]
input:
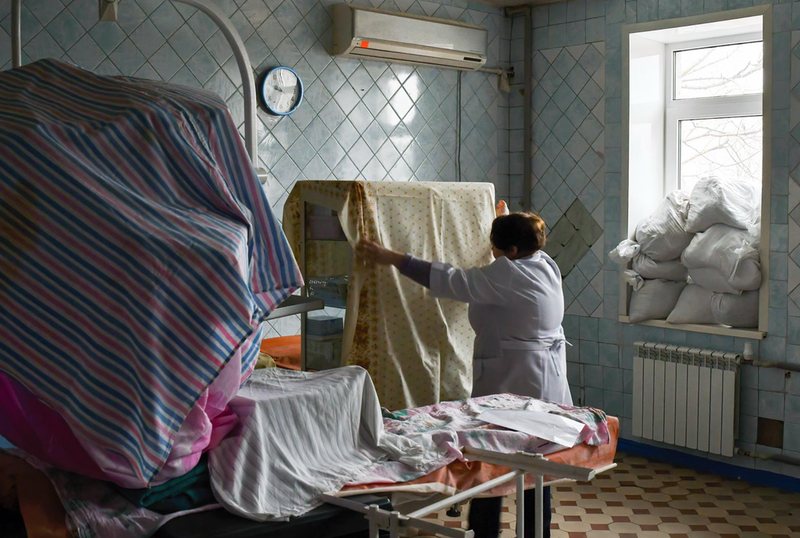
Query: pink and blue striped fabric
[{"x": 138, "y": 253}]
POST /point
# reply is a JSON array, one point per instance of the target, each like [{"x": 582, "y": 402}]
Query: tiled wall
[
  {"x": 577, "y": 160},
  {"x": 369, "y": 120}
]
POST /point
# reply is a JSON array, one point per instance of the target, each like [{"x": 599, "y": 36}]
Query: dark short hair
[{"x": 522, "y": 230}]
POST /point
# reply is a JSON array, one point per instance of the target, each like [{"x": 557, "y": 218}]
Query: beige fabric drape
[{"x": 418, "y": 350}]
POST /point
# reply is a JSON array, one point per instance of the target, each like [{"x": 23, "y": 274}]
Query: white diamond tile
[
  {"x": 375, "y": 136},
  {"x": 242, "y": 25},
  {"x": 303, "y": 37},
  {"x": 346, "y": 135},
  {"x": 270, "y": 31},
  {"x": 374, "y": 171},
  {"x": 375, "y": 69},
  {"x": 287, "y": 15},
  {"x": 346, "y": 98},
  {"x": 401, "y": 103},
  {"x": 387, "y": 155},
  {"x": 374, "y": 100},
  {"x": 361, "y": 81},
  {"x": 316, "y": 169},
  {"x": 346, "y": 170},
  {"x": 794, "y": 276},
  {"x": 256, "y": 11},
  {"x": 794, "y": 235},
  {"x": 332, "y": 115},
  {"x": 86, "y": 54},
  {"x": 65, "y": 29},
  {"x": 331, "y": 153},
  {"x": 401, "y": 171},
  {"x": 388, "y": 84},
  {"x": 388, "y": 120},
  {"x": 402, "y": 71},
  {"x": 317, "y": 133},
  {"x": 360, "y": 153}
]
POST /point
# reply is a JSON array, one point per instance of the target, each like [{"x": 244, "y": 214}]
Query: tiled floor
[{"x": 648, "y": 499}]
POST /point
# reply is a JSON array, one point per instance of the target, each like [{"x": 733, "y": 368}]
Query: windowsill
[{"x": 723, "y": 330}]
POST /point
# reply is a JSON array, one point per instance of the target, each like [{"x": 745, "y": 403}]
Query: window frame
[
  {"x": 677, "y": 110},
  {"x": 766, "y": 14}
]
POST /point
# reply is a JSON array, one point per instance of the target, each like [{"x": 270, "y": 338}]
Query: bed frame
[
  {"x": 379, "y": 519},
  {"x": 521, "y": 464}
]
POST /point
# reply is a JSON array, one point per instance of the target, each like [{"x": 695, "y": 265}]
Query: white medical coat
[{"x": 516, "y": 308}]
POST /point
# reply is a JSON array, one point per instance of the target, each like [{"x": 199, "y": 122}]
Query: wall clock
[{"x": 281, "y": 91}]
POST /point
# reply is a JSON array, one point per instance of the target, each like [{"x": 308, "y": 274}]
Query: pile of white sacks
[{"x": 695, "y": 260}]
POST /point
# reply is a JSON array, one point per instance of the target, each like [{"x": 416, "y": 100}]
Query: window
[
  {"x": 695, "y": 105},
  {"x": 713, "y": 110}
]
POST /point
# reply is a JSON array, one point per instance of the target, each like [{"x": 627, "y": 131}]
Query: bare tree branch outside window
[
  {"x": 728, "y": 147},
  {"x": 719, "y": 71}
]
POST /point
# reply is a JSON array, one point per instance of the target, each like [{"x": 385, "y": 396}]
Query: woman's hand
[
  {"x": 501, "y": 209},
  {"x": 372, "y": 252}
]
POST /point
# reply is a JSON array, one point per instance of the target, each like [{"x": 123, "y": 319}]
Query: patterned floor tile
[{"x": 648, "y": 499}]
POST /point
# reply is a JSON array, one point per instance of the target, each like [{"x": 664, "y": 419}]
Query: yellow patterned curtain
[{"x": 418, "y": 350}]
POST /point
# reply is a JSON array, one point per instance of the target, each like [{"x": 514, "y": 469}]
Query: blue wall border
[{"x": 681, "y": 459}]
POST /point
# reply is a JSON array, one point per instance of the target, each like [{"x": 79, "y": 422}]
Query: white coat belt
[{"x": 533, "y": 345}]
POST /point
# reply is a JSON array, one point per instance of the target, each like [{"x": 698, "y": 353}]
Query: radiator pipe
[
  {"x": 780, "y": 458},
  {"x": 773, "y": 364},
  {"x": 527, "y": 109},
  {"x": 497, "y": 71}
]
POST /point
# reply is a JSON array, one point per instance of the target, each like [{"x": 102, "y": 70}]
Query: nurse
[{"x": 516, "y": 306}]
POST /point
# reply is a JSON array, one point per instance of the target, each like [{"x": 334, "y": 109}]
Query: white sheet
[
  {"x": 554, "y": 428},
  {"x": 301, "y": 434}
]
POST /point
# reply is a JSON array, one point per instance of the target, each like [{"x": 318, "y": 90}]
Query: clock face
[{"x": 282, "y": 90}]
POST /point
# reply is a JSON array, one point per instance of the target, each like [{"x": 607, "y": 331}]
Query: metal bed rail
[
  {"x": 231, "y": 35},
  {"x": 521, "y": 464}
]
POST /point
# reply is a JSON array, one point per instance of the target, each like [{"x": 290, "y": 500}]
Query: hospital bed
[{"x": 356, "y": 509}]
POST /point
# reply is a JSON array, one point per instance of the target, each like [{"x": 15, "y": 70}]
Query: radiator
[{"x": 685, "y": 397}]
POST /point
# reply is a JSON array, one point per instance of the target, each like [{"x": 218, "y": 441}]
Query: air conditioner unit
[{"x": 374, "y": 34}]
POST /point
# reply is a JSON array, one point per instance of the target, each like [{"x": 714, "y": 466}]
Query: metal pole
[
  {"x": 372, "y": 516},
  {"x": 527, "y": 109},
  {"x": 16, "y": 33},
  {"x": 394, "y": 525},
  {"x": 246, "y": 70},
  {"x": 464, "y": 495},
  {"x": 539, "y": 516},
  {"x": 520, "y": 506}
]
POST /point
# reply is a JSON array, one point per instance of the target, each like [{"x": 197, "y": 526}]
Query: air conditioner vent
[{"x": 372, "y": 34}]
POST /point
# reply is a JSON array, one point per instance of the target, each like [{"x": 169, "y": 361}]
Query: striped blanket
[{"x": 137, "y": 254}]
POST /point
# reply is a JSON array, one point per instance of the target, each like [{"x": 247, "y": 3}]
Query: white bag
[
  {"x": 739, "y": 311},
  {"x": 625, "y": 251},
  {"x": 649, "y": 268},
  {"x": 655, "y": 300},
  {"x": 729, "y": 250},
  {"x": 662, "y": 235},
  {"x": 712, "y": 280},
  {"x": 699, "y": 305},
  {"x": 694, "y": 306},
  {"x": 736, "y": 203}
]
